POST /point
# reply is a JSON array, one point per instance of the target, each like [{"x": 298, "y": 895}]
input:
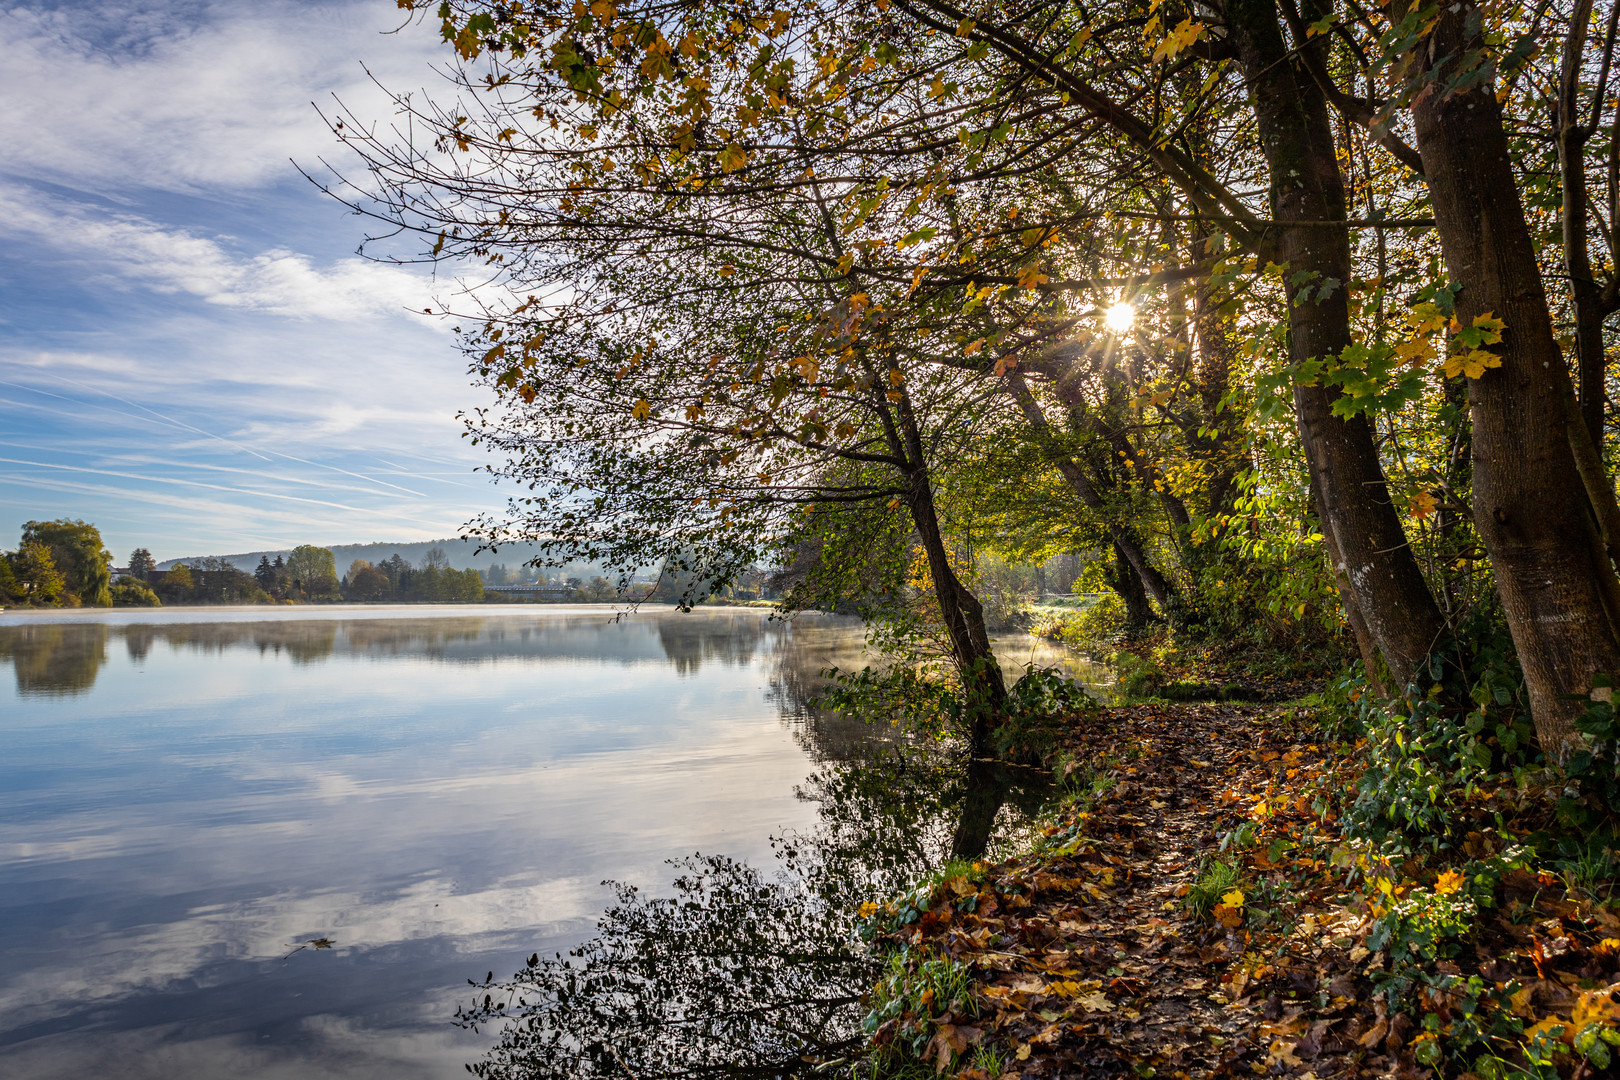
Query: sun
[{"x": 1120, "y": 317}]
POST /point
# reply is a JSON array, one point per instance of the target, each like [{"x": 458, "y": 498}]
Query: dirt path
[{"x": 1089, "y": 960}]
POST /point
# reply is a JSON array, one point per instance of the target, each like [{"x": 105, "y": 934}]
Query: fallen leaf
[{"x": 1096, "y": 1001}]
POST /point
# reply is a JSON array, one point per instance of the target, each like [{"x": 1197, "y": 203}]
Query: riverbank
[{"x": 1199, "y": 906}]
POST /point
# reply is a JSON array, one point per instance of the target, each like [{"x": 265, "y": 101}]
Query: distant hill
[{"x": 459, "y": 552}]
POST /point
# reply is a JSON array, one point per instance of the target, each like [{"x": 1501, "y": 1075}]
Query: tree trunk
[
  {"x": 1530, "y": 507},
  {"x": 1585, "y": 295},
  {"x": 1138, "y": 613},
  {"x": 1125, "y": 538},
  {"x": 962, "y": 613},
  {"x": 1352, "y": 615},
  {"x": 1346, "y": 474}
]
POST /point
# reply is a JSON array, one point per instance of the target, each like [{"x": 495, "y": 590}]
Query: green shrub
[
  {"x": 134, "y": 594},
  {"x": 1099, "y": 626}
]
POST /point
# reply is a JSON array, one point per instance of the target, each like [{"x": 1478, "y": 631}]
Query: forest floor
[{"x": 1193, "y": 910}]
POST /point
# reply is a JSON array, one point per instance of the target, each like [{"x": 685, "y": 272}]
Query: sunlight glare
[{"x": 1120, "y": 317}]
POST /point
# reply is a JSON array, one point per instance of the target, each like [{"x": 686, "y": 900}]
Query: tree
[
  {"x": 312, "y": 571},
  {"x": 34, "y": 580},
  {"x": 177, "y": 584},
  {"x": 366, "y": 582},
  {"x": 77, "y": 552},
  {"x": 141, "y": 564},
  {"x": 1538, "y": 520}
]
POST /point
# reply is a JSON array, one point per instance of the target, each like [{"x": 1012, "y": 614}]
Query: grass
[{"x": 1217, "y": 879}]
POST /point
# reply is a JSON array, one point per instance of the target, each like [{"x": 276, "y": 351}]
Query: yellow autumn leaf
[
  {"x": 1234, "y": 899},
  {"x": 1473, "y": 363},
  {"x": 1451, "y": 880},
  {"x": 1426, "y": 318},
  {"x": 1096, "y": 1001},
  {"x": 1423, "y": 504},
  {"x": 642, "y": 409},
  {"x": 1601, "y": 1006},
  {"x": 1186, "y": 32},
  {"x": 1415, "y": 352},
  {"x": 973, "y": 347}
]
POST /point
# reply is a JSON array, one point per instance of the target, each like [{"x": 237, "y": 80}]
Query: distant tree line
[
  {"x": 395, "y": 579},
  {"x": 64, "y": 563}
]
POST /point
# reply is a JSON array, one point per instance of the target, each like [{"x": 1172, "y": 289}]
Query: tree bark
[
  {"x": 1351, "y": 491},
  {"x": 1128, "y": 584},
  {"x": 963, "y": 615},
  {"x": 1352, "y": 615},
  {"x": 1530, "y": 506}
]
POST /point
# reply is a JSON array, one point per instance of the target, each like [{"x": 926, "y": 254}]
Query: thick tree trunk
[
  {"x": 1530, "y": 506},
  {"x": 1138, "y": 612},
  {"x": 962, "y": 612},
  {"x": 1352, "y": 615},
  {"x": 1378, "y": 565}
]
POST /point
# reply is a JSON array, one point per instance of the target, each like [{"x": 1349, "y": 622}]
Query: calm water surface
[{"x": 185, "y": 795}]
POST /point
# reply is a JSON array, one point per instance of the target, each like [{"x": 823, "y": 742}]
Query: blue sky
[{"x": 191, "y": 354}]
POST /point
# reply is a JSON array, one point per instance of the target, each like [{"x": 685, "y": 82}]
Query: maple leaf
[
  {"x": 1031, "y": 276},
  {"x": 1416, "y": 351},
  {"x": 1451, "y": 880},
  {"x": 1096, "y": 1001},
  {"x": 1423, "y": 504},
  {"x": 973, "y": 348},
  {"x": 642, "y": 409},
  {"x": 1186, "y": 32},
  {"x": 1473, "y": 363}
]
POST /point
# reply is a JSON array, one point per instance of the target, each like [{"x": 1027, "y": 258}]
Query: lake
[{"x": 188, "y": 795}]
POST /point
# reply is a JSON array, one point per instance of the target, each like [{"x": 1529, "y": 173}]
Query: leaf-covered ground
[{"x": 1126, "y": 941}]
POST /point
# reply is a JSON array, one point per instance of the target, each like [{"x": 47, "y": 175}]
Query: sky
[{"x": 192, "y": 356}]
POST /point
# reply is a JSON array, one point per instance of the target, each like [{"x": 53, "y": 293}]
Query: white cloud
[
  {"x": 130, "y": 250},
  {"x": 189, "y": 101}
]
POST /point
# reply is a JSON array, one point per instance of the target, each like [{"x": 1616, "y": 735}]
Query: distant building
[{"x": 532, "y": 590}]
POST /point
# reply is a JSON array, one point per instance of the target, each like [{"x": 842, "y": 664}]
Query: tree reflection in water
[
  {"x": 745, "y": 973},
  {"x": 54, "y": 660}
]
